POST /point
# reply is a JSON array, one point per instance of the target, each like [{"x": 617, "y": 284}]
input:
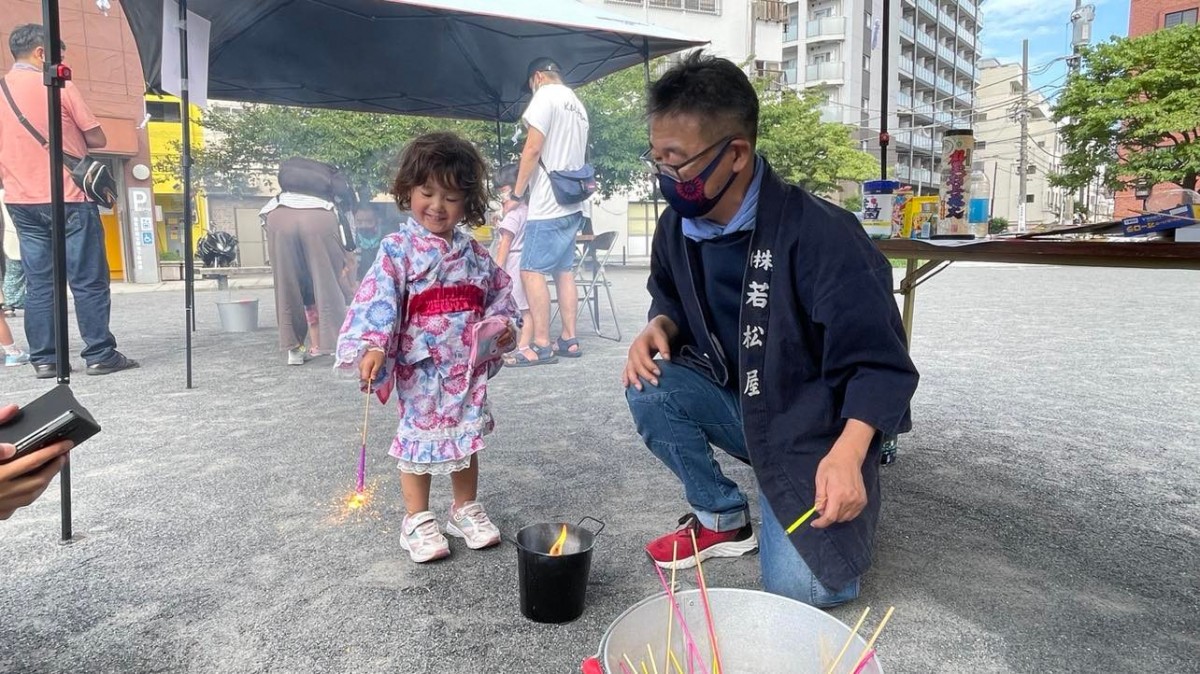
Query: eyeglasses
[{"x": 672, "y": 170}]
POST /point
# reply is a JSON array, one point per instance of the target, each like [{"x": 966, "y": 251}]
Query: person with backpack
[
  {"x": 308, "y": 238},
  {"x": 25, "y": 172}
]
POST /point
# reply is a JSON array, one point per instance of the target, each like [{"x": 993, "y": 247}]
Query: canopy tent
[{"x": 465, "y": 59}]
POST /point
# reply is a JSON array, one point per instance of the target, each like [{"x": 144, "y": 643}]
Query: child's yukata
[{"x": 442, "y": 288}]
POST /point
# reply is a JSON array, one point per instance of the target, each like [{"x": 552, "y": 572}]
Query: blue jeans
[
  {"x": 681, "y": 420},
  {"x": 87, "y": 274},
  {"x": 549, "y": 245}
]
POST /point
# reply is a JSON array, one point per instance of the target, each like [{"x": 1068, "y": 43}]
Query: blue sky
[{"x": 1046, "y": 23}]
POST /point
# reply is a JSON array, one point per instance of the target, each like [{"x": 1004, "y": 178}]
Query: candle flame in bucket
[{"x": 557, "y": 549}]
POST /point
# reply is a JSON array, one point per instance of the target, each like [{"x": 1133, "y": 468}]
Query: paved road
[{"x": 1042, "y": 516}]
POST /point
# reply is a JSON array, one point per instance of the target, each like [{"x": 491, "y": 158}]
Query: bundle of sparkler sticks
[{"x": 693, "y": 661}]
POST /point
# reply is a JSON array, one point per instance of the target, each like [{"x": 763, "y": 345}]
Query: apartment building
[
  {"x": 743, "y": 31},
  {"x": 998, "y": 147},
  {"x": 939, "y": 51},
  {"x": 835, "y": 47}
]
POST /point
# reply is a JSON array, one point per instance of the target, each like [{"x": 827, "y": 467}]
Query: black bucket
[{"x": 553, "y": 589}]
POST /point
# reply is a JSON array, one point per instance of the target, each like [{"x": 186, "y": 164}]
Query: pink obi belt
[{"x": 446, "y": 300}]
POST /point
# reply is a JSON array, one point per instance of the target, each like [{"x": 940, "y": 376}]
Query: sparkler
[
  {"x": 801, "y": 520},
  {"x": 712, "y": 628}
]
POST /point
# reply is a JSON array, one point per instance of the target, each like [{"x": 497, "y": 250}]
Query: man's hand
[
  {"x": 369, "y": 366},
  {"x": 23, "y": 480},
  {"x": 841, "y": 494},
  {"x": 655, "y": 339}
]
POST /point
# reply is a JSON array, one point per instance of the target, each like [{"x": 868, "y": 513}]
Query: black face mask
[{"x": 687, "y": 198}]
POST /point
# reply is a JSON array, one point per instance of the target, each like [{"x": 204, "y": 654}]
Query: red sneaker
[{"x": 710, "y": 543}]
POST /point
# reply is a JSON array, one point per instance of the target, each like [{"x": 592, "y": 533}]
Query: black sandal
[{"x": 545, "y": 356}]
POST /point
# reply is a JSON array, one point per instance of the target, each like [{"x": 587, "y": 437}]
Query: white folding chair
[{"x": 590, "y": 276}]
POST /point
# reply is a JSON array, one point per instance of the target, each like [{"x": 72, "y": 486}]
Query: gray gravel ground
[{"x": 1042, "y": 516}]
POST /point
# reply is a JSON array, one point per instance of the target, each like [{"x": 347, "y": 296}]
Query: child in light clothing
[
  {"x": 508, "y": 252},
  {"x": 409, "y": 329}
]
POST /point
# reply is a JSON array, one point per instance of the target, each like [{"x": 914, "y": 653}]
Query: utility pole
[
  {"x": 1081, "y": 35},
  {"x": 1023, "y": 115}
]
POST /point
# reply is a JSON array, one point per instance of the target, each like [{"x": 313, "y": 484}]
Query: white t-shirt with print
[{"x": 561, "y": 117}]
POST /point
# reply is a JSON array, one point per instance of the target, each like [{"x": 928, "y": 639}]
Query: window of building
[
  {"x": 823, "y": 13},
  {"x": 866, "y": 62},
  {"x": 981, "y": 145},
  {"x": 162, "y": 112},
  {"x": 1030, "y": 198},
  {"x": 1031, "y": 169},
  {"x": 1172, "y": 19}
]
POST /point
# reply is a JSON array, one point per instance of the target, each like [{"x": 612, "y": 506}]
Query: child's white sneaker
[
  {"x": 422, "y": 539},
  {"x": 14, "y": 357},
  {"x": 472, "y": 524}
]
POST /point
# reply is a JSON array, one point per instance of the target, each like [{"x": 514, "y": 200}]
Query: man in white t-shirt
[{"x": 557, "y": 125}]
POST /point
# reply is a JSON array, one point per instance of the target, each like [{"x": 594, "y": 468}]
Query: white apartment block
[
  {"x": 939, "y": 50},
  {"x": 998, "y": 147},
  {"x": 834, "y": 46},
  {"x": 743, "y": 31}
]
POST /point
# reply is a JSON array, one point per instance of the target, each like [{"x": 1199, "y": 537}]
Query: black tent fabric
[{"x": 464, "y": 59}]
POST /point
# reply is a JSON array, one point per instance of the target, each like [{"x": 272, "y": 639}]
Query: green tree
[
  {"x": 245, "y": 144},
  {"x": 1131, "y": 112},
  {"x": 997, "y": 225},
  {"x": 804, "y": 150},
  {"x": 853, "y": 202},
  {"x": 616, "y": 108}
]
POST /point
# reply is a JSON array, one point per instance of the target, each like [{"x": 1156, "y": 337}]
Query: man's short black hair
[
  {"x": 25, "y": 38},
  {"x": 711, "y": 88}
]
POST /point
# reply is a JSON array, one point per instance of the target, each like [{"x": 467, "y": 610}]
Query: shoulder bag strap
[{"x": 20, "y": 116}]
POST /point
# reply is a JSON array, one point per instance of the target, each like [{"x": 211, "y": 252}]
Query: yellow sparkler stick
[
  {"x": 802, "y": 519},
  {"x": 712, "y": 627},
  {"x": 671, "y": 604},
  {"x": 675, "y": 662},
  {"x": 871, "y": 643},
  {"x": 849, "y": 640},
  {"x": 652, "y": 664},
  {"x": 632, "y": 669},
  {"x": 644, "y": 670}
]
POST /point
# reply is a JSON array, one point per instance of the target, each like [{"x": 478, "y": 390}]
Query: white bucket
[{"x": 238, "y": 315}]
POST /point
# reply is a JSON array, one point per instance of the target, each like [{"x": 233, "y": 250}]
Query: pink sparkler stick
[
  {"x": 863, "y": 663},
  {"x": 687, "y": 633}
]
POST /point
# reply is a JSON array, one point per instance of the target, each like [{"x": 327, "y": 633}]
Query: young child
[
  {"x": 13, "y": 355},
  {"x": 508, "y": 252},
  {"x": 409, "y": 329}
]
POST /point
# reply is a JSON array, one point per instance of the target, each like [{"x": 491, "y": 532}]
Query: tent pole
[
  {"x": 884, "y": 138},
  {"x": 189, "y": 266},
  {"x": 646, "y": 70},
  {"x": 499, "y": 142},
  {"x": 55, "y": 77}
]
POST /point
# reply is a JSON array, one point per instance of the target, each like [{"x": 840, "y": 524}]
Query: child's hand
[
  {"x": 369, "y": 366},
  {"x": 508, "y": 340}
]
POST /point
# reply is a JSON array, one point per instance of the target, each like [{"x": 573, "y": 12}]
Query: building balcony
[
  {"x": 969, "y": 7},
  {"x": 791, "y": 29},
  {"x": 904, "y": 101},
  {"x": 827, "y": 28},
  {"x": 914, "y": 175},
  {"x": 790, "y": 74},
  {"x": 966, "y": 66},
  {"x": 701, "y": 6},
  {"x": 925, "y": 75},
  {"x": 906, "y": 66},
  {"x": 771, "y": 11},
  {"x": 945, "y": 85},
  {"x": 825, "y": 73},
  {"x": 927, "y": 41},
  {"x": 948, "y": 23},
  {"x": 907, "y": 30},
  {"x": 929, "y": 7},
  {"x": 945, "y": 53},
  {"x": 913, "y": 138}
]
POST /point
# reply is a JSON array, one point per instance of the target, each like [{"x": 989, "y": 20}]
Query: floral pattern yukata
[{"x": 417, "y": 303}]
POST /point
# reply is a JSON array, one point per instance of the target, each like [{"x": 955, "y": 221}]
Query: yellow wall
[{"x": 165, "y": 140}]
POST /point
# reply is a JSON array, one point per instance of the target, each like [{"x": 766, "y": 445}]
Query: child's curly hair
[{"x": 451, "y": 162}]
